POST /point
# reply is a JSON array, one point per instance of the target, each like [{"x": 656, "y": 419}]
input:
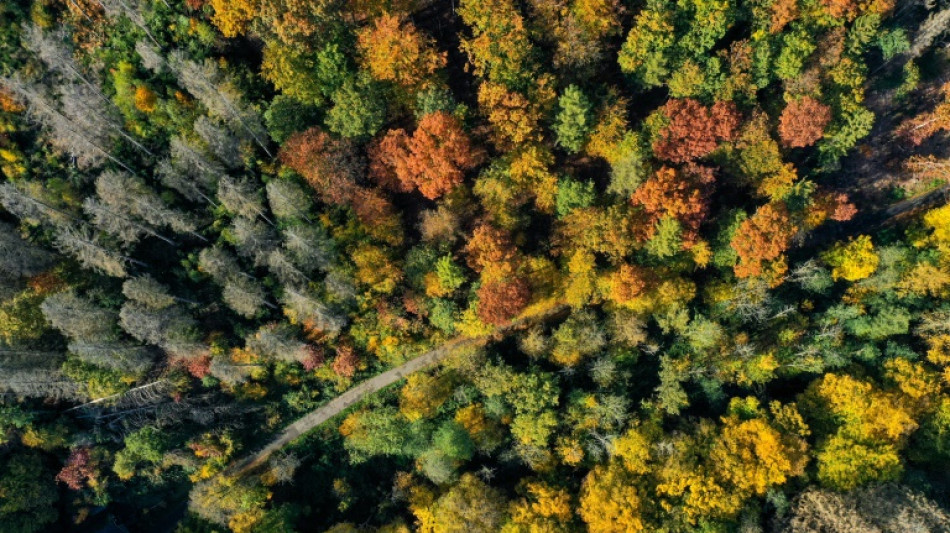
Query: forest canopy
[{"x": 543, "y": 266}]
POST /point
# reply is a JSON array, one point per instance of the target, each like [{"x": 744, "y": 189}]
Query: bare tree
[
  {"x": 218, "y": 263},
  {"x": 306, "y": 308},
  {"x": 888, "y": 508},
  {"x": 39, "y": 383},
  {"x": 281, "y": 265},
  {"x": 223, "y": 100},
  {"x": 231, "y": 373},
  {"x": 928, "y": 32},
  {"x": 151, "y": 57},
  {"x": 310, "y": 246},
  {"x": 88, "y": 146},
  {"x": 241, "y": 198},
  {"x": 282, "y": 467},
  {"x": 145, "y": 290},
  {"x": 278, "y": 341},
  {"x": 129, "y": 9},
  {"x": 115, "y": 222},
  {"x": 16, "y": 358},
  {"x": 190, "y": 172},
  {"x": 244, "y": 296},
  {"x": 79, "y": 318},
  {"x": 170, "y": 328},
  {"x": 18, "y": 257},
  {"x": 24, "y": 199},
  {"x": 119, "y": 356},
  {"x": 253, "y": 239},
  {"x": 124, "y": 191},
  {"x": 225, "y": 147},
  {"x": 84, "y": 245},
  {"x": 287, "y": 199}
]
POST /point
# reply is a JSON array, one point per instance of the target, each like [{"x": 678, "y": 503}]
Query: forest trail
[{"x": 357, "y": 393}]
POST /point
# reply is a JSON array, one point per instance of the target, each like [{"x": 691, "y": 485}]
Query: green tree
[
  {"x": 574, "y": 119},
  {"x": 28, "y": 494}
]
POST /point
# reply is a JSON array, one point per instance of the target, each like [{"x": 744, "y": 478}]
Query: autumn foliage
[
  {"x": 695, "y": 130},
  {"x": 680, "y": 194},
  {"x": 803, "y": 122},
  {"x": 433, "y": 160},
  {"x": 500, "y": 301},
  {"x": 762, "y": 237},
  {"x": 328, "y": 164},
  {"x": 392, "y": 49},
  {"x": 491, "y": 252}
]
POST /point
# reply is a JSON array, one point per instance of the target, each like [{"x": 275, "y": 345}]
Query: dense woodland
[{"x": 719, "y": 226}]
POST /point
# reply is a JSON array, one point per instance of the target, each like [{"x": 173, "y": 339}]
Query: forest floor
[{"x": 356, "y": 394}]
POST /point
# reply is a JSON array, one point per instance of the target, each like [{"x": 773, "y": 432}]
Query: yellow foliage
[
  {"x": 913, "y": 379},
  {"x": 145, "y": 99},
  {"x": 924, "y": 280},
  {"x": 610, "y": 501},
  {"x": 610, "y": 133},
  {"x": 375, "y": 270},
  {"x": 853, "y": 261},
  {"x": 422, "y": 395},
  {"x": 633, "y": 450},
  {"x": 544, "y": 509},
  {"x": 939, "y": 221},
  {"x": 233, "y": 16},
  {"x": 511, "y": 115},
  {"x": 392, "y": 49},
  {"x": 582, "y": 284},
  {"x": 469, "y": 325},
  {"x": 570, "y": 450},
  {"x": 530, "y": 169}
]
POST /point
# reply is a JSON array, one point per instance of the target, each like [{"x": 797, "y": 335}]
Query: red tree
[
  {"x": 328, "y": 164},
  {"x": 433, "y": 160},
  {"x": 500, "y": 301},
  {"x": 315, "y": 358},
  {"x": 694, "y": 130},
  {"x": 803, "y": 122},
  {"x": 78, "y": 470}
]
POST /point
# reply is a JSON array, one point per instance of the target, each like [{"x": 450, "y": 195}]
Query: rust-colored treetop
[
  {"x": 695, "y": 130},
  {"x": 433, "y": 160},
  {"x": 803, "y": 122}
]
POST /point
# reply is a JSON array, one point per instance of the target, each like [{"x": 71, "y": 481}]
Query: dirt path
[{"x": 355, "y": 394}]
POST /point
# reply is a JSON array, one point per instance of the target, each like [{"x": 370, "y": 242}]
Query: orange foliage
[
  {"x": 512, "y": 116},
  {"x": 327, "y": 163},
  {"x": 627, "y": 283},
  {"x": 762, "y": 237},
  {"x": 433, "y": 160},
  {"x": 803, "y": 122},
  {"x": 849, "y": 9},
  {"x": 393, "y": 49},
  {"x": 783, "y": 12},
  {"x": 346, "y": 360},
  {"x": 694, "y": 130},
  {"x": 491, "y": 252},
  {"x": 377, "y": 214},
  {"x": 500, "y": 301},
  {"x": 683, "y": 195}
]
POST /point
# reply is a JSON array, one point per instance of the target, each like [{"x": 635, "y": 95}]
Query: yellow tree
[
  {"x": 611, "y": 501},
  {"x": 854, "y": 260},
  {"x": 867, "y": 429},
  {"x": 392, "y": 49}
]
